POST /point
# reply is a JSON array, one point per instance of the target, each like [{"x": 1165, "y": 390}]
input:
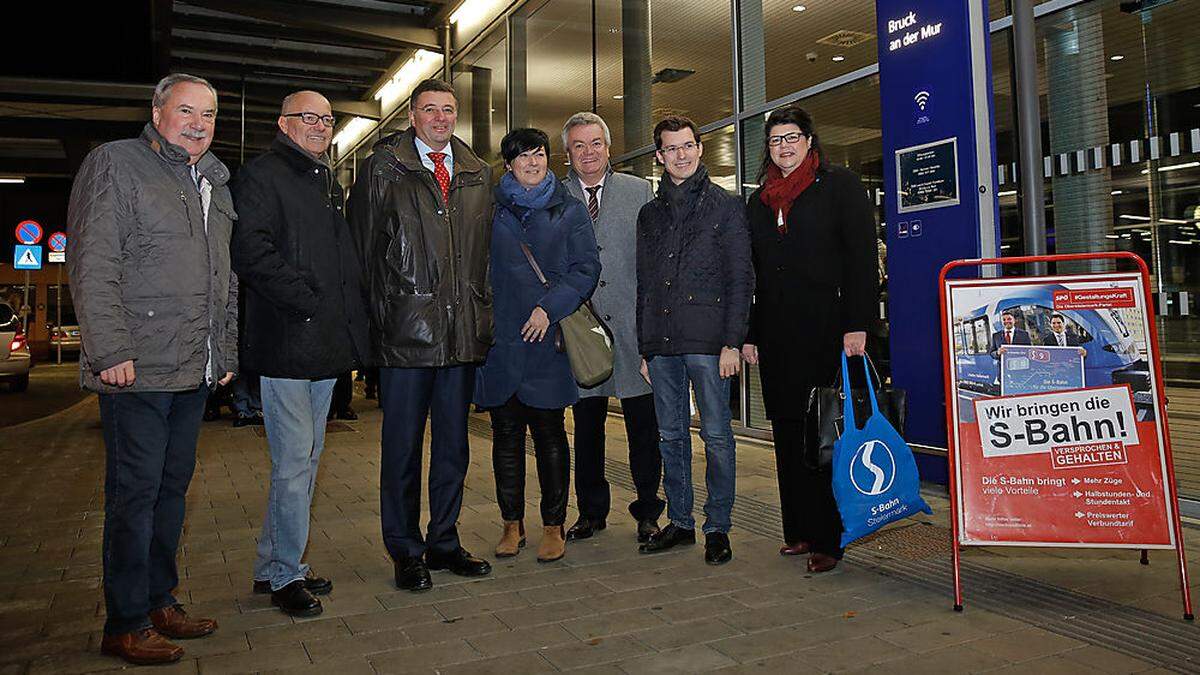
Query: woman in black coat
[{"x": 813, "y": 240}]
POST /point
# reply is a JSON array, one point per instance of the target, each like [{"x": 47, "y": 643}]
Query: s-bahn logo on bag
[{"x": 873, "y": 468}]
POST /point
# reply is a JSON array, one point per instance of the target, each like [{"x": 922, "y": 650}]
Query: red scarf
[{"x": 779, "y": 192}]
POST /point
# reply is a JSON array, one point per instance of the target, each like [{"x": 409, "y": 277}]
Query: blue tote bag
[{"x": 875, "y": 480}]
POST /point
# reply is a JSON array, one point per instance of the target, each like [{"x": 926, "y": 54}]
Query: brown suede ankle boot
[
  {"x": 554, "y": 544},
  {"x": 512, "y": 540}
]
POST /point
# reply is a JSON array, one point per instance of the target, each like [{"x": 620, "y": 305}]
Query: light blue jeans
[
  {"x": 669, "y": 377},
  {"x": 294, "y": 415}
]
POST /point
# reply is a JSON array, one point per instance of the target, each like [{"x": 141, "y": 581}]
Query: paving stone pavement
[{"x": 602, "y": 609}]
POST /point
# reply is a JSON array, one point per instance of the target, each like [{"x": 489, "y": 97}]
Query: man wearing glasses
[
  {"x": 305, "y": 323},
  {"x": 421, "y": 211},
  {"x": 694, "y": 284}
]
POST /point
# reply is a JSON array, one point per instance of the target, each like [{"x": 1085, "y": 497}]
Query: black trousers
[
  {"x": 509, "y": 422},
  {"x": 343, "y": 393},
  {"x": 645, "y": 461},
  {"x": 805, "y": 495}
]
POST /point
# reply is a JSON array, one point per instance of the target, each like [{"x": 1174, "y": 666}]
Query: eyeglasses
[
  {"x": 310, "y": 118},
  {"x": 682, "y": 147},
  {"x": 793, "y": 137}
]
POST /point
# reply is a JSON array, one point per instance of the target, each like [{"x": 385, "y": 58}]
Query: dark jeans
[
  {"x": 150, "y": 440},
  {"x": 805, "y": 495},
  {"x": 509, "y": 422},
  {"x": 408, "y": 396},
  {"x": 645, "y": 461}
]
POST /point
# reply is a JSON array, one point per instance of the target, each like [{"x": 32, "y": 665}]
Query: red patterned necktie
[{"x": 441, "y": 174}]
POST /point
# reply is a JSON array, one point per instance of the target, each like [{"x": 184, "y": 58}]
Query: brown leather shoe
[
  {"x": 173, "y": 622},
  {"x": 798, "y": 548},
  {"x": 512, "y": 540},
  {"x": 554, "y": 544},
  {"x": 819, "y": 562},
  {"x": 143, "y": 648}
]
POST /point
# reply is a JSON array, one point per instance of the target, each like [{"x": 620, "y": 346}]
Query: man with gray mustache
[{"x": 149, "y": 221}]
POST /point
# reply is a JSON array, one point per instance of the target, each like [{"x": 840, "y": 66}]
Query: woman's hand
[
  {"x": 750, "y": 353},
  {"x": 535, "y": 328},
  {"x": 855, "y": 343}
]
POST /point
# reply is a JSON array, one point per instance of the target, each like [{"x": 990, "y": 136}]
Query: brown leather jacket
[{"x": 425, "y": 263}]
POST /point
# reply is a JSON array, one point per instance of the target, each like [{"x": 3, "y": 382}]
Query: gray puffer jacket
[{"x": 150, "y": 278}]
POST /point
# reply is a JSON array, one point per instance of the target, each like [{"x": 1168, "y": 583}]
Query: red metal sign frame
[{"x": 1155, "y": 358}]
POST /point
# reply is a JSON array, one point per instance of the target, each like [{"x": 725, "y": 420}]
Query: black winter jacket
[
  {"x": 694, "y": 275},
  {"x": 292, "y": 250},
  {"x": 425, "y": 261}
]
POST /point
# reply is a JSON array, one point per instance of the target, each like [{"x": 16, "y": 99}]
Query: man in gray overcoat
[{"x": 613, "y": 201}]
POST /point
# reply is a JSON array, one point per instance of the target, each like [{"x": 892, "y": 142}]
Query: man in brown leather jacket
[{"x": 421, "y": 214}]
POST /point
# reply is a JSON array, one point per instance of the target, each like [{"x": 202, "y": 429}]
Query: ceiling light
[
  {"x": 619, "y": 96},
  {"x": 1175, "y": 167},
  {"x": 1117, "y": 192},
  {"x": 1116, "y": 57},
  {"x": 422, "y": 65},
  {"x": 839, "y": 58},
  {"x": 1144, "y": 219},
  {"x": 1174, "y": 221},
  {"x": 350, "y": 134},
  {"x": 475, "y": 10},
  {"x": 1007, "y": 193},
  {"x": 12, "y": 180},
  {"x": 798, "y": 8},
  {"x": 1112, "y": 236},
  {"x": 1177, "y": 241}
]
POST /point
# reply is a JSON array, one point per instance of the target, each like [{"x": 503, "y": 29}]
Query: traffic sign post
[
  {"x": 1056, "y": 419},
  {"x": 57, "y": 242}
]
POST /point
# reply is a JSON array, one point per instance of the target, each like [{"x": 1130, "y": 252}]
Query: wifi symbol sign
[{"x": 921, "y": 98}]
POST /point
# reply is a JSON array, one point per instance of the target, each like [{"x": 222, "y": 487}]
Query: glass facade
[{"x": 1119, "y": 93}]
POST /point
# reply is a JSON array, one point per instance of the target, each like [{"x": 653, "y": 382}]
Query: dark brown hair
[
  {"x": 430, "y": 85},
  {"x": 790, "y": 114},
  {"x": 674, "y": 123}
]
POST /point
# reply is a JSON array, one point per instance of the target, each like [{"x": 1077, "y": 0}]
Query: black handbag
[{"x": 824, "y": 424}]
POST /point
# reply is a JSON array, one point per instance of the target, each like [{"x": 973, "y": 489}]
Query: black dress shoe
[
  {"x": 584, "y": 528},
  {"x": 315, "y": 585},
  {"x": 347, "y": 414},
  {"x": 295, "y": 600},
  {"x": 668, "y": 537},
  {"x": 716, "y": 548},
  {"x": 459, "y": 562},
  {"x": 646, "y": 529},
  {"x": 412, "y": 574},
  {"x": 243, "y": 421}
]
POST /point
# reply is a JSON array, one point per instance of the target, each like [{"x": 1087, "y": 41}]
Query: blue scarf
[{"x": 528, "y": 199}]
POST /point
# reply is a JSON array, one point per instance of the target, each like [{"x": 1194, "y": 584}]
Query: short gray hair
[
  {"x": 162, "y": 90},
  {"x": 581, "y": 118}
]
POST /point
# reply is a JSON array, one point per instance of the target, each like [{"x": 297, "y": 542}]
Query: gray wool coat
[{"x": 615, "y": 297}]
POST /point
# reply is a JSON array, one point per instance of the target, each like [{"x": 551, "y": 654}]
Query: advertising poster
[{"x": 1057, "y": 441}]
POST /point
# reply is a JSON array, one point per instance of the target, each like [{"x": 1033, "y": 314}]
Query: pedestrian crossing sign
[{"x": 27, "y": 257}]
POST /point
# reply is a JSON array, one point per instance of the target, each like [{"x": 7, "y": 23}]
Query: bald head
[{"x": 312, "y": 138}]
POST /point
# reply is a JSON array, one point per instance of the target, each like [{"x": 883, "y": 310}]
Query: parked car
[
  {"x": 15, "y": 361},
  {"x": 67, "y": 333}
]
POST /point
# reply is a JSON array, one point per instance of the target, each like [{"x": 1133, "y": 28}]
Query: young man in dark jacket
[
  {"x": 305, "y": 324},
  {"x": 421, "y": 211},
  {"x": 694, "y": 284}
]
